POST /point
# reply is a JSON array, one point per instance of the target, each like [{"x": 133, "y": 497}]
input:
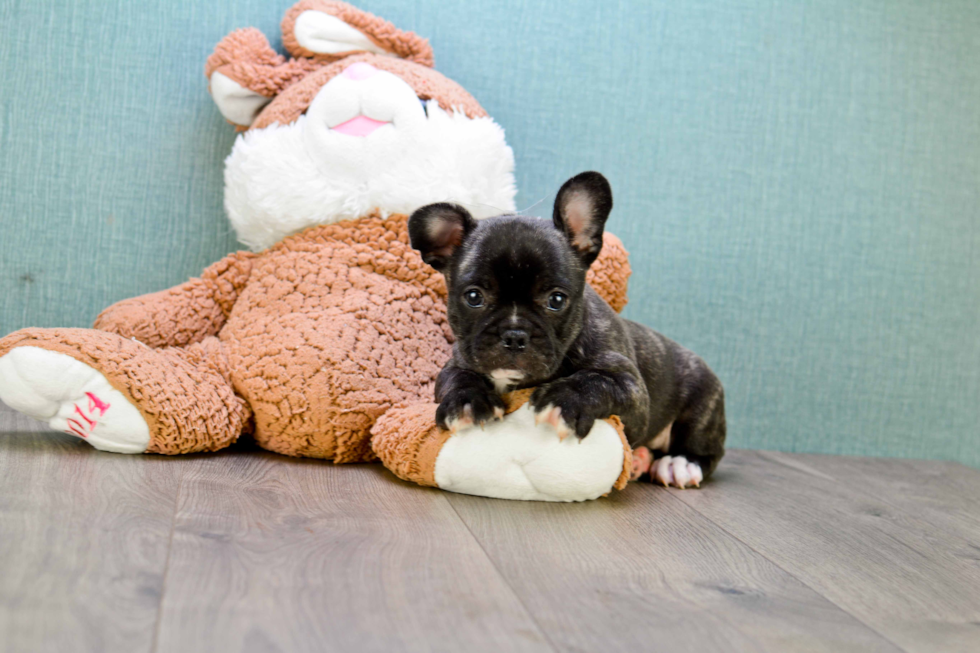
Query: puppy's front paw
[
  {"x": 468, "y": 406},
  {"x": 560, "y": 404},
  {"x": 676, "y": 471}
]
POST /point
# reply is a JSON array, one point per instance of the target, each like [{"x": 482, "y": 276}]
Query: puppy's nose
[
  {"x": 514, "y": 339},
  {"x": 360, "y": 71}
]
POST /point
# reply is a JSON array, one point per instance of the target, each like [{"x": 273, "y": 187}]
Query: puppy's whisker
[
  {"x": 480, "y": 210},
  {"x": 525, "y": 211}
]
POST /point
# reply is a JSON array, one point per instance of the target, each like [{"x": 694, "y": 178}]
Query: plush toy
[{"x": 331, "y": 319}]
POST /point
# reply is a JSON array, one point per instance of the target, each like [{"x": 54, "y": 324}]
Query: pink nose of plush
[{"x": 360, "y": 71}]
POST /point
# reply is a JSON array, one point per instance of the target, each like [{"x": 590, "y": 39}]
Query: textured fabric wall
[{"x": 798, "y": 182}]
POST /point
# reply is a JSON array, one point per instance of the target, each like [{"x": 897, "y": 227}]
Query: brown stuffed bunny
[{"x": 333, "y": 318}]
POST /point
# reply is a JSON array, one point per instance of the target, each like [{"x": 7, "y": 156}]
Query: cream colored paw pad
[{"x": 73, "y": 398}]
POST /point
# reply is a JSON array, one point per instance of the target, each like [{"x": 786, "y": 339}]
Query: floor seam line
[
  {"x": 513, "y": 591},
  {"x": 791, "y": 574},
  {"x": 166, "y": 564}
]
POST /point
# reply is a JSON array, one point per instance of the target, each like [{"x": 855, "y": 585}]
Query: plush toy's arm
[
  {"x": 513, "y": 458},
  {"x": 183, "y": 314}
]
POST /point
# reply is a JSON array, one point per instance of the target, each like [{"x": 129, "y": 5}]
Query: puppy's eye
[
  {"x": 557, "y": 301},
  {"x": 473, "y": 298}
]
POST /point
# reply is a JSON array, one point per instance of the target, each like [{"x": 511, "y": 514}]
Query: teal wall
[{"x": 798, "y": 182}]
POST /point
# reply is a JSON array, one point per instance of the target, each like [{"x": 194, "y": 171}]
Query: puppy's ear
[
  {"x": 581, "y": 209},
  {"x": 437, "y": 230}
]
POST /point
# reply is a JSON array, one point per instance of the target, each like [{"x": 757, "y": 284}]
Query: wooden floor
[{"x": 249, "y": 551}]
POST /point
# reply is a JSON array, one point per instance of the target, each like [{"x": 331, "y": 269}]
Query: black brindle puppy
[{"x": 524, "y": 316}]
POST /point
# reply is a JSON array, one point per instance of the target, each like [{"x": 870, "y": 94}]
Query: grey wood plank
[
  {"x": 279, "y": 554},
  {"x": 83, "y": 542},
  {"x": 945, "y": 494},
  {"x": 882, "y": 565},
  {"x": 640, "y": 571}
]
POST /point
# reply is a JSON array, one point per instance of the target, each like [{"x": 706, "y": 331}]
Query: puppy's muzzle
[{"x": 514, "y": 340}]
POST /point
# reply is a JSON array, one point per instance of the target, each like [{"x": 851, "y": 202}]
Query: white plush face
[{"x": 366, "y": 142}]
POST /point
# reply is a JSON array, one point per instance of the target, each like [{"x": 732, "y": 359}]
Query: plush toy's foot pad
[
  {"x": 676, "y": 471},
  {"x": 71, "y": 397}
]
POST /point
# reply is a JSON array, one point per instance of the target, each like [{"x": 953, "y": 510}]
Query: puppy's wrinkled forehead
[{"x": 515, "y": 254}]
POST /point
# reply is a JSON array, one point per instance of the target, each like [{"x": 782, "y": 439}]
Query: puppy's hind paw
[{"x": 676, "y": 471}]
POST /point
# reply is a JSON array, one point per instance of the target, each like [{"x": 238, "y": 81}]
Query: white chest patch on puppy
[
  {"x": 504, "y": 379},
  {"x": 662, "y": 441}
]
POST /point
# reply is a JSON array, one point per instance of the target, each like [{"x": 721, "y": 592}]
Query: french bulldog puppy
[{"x": 523, "y": 316}]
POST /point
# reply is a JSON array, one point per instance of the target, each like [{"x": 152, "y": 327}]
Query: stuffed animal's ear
[
  {"x": 236, "y": 103},
  {"x": 581, "y": 208},
  {"x": 323, "y": 33},
  {"x": 242, "y": 73},
  {"x": 437, "y": 230},
  {"x": 330, "y": 30}
]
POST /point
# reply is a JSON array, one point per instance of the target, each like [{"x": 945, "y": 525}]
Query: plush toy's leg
[{"x": 120, "y": 395}]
